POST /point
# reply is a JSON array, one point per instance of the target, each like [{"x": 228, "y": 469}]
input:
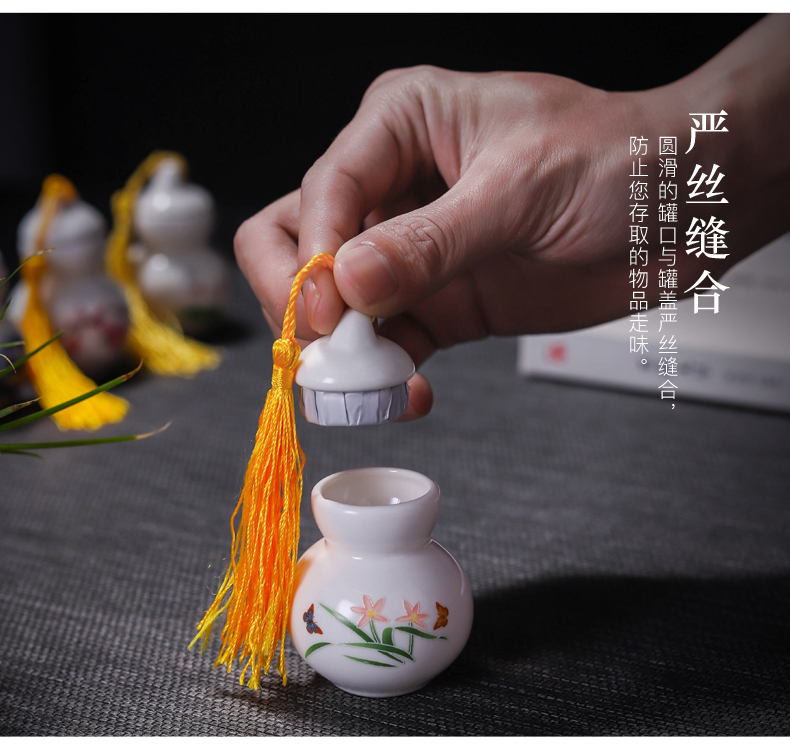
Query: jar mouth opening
[{"x": 375, "y": 487}]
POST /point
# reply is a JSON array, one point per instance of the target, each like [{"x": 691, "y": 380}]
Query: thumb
[{"x": 392, "y": 266}]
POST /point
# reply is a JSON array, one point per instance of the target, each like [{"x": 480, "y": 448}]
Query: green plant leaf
[
  {"x": 14, "y": 448},
  {"x": 417, "y": 632},
  {"x": 13, "y": 408},
  {"x": 5, "y": 280},
  {"x": 57, "y": 408},
  {"x": 386, "y": 635},
  {"x": 312, "y": 649},
  {"x": 25, "y": 453},
  {"x": 358, "y": 631},
  {"x": 383, "y": 648},
  {"x": 24, "y": 358},
  {"x": 12, "y": 344},
  {"x": 370, "y": 662},
  {"x": 5, "y": 309}
]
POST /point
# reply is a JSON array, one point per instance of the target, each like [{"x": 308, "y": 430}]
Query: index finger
[{"x": 371, "y": 158}]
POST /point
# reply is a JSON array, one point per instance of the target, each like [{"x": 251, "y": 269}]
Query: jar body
[
  {"x": 94, "y": 318},
  {"x": 193, "y": 285},
  {"x": 91, "y": 313},
  {"x": 379, "y": 619}
]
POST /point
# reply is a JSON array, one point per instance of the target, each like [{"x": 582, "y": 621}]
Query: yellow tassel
[
  {"x": 54, "y": 375},
  {"x": 164, "y": 349},
  {"x": 258, "y": 585}
]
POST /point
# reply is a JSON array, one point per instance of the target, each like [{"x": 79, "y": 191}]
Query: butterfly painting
[
  {"x": 442, "y": 619},
  {"x": 312, "y": 626}
]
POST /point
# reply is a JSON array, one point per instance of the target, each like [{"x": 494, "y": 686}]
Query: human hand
[
  {"x": 490, "y": 204},
  {"x": 535, "y": 168}
]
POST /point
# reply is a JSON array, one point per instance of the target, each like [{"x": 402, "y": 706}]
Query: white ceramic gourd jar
[
  {"x": 79, "y": 298},
  {"x": 7, "y": 332},
  {"x": 379, "y": 607},
  {"x": 10, "y": 383},
  {"x": 178, "y": 272}
]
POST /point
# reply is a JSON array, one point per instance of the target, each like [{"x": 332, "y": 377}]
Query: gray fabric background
[{"x": 630, "y": 564}]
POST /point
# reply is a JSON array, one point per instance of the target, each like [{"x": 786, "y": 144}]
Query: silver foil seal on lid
[
  {"x": 354, "y": 408},
  {"x": 353, "y": 377}
]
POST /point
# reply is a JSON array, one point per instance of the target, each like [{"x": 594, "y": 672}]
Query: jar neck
[
  {"x": 376, "y": 510},
  {"x": 85, "y": 268},
  {"x": 361, "y": 548}
]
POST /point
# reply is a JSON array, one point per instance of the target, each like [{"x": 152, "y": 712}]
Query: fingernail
[
  {"x": 367, "y": 271},
  {"x": 312, "y": 296}
]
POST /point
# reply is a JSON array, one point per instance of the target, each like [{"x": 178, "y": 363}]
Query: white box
[{"x": 740, "y": 355}]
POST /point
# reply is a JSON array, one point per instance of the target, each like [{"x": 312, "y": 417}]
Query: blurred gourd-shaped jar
[
  {"x": 81, "y": 301},
  {"x": 179, "y": 274},
  {"x": 7, "y": 332},
  {"x": 10, "y": 382}
]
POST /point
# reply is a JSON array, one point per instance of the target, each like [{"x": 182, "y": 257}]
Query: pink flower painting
[
  {"x": 392, "y": 652},
  {"x": 370, "y": 612},
  {"x": 413, "y": 614}
]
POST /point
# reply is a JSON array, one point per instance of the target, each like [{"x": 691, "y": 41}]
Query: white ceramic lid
[
  {"x": 73, "y": 224},
  {"x": 169, "y": 200},
  {"x": 353, "y": 359}
]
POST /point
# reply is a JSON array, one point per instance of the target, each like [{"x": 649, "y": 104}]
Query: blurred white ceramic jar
[
  {"x": 178, "y": 273},
  {"x": 10, "y": 383},
  {"x": 4, "y": 324},
  {"x": 79, "y": 298},
  {"x": 8, "y": 333}
]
